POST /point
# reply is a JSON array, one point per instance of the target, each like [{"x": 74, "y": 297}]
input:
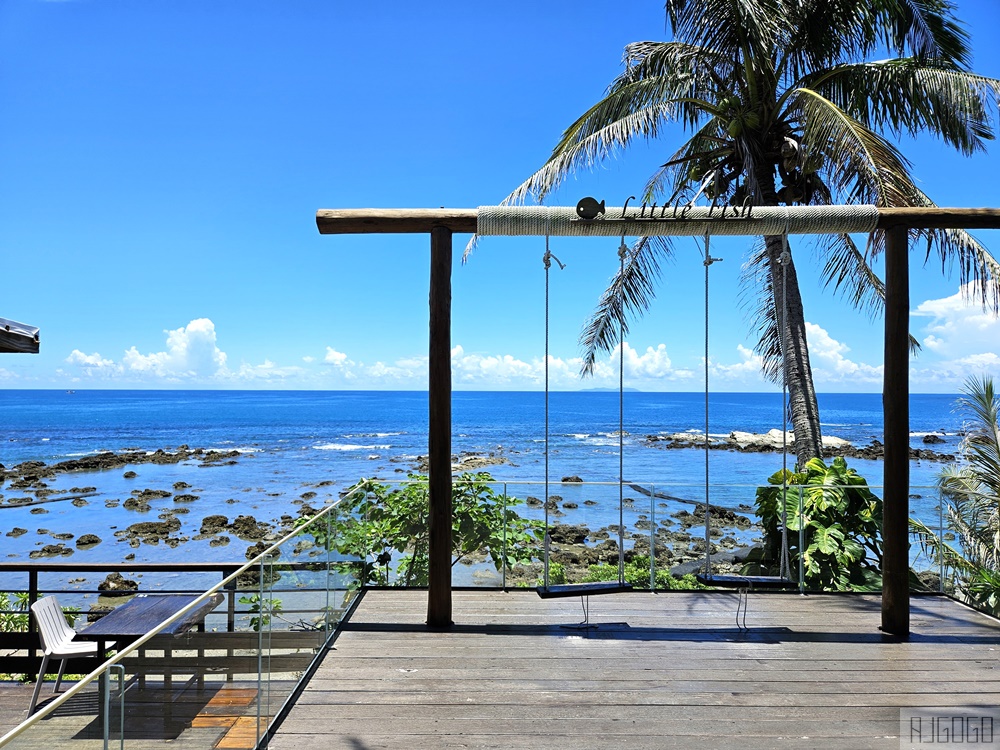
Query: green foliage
[
  {"x": 557, "y": 574},
  {"x": 387, "y": 526},
  {"x": 13, "y": 612},
  {"x": 971, "y": 495},
  {"x": 262, "y": 610},
  {"x": 637, "y": 575},
  {"x": 842, "y": 521}
]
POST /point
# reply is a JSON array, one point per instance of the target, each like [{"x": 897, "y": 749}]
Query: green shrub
[
  {"x": 637, "y": 575},
  {"x": 842, "y": 522},
  {"x": 387, "y": 526}
]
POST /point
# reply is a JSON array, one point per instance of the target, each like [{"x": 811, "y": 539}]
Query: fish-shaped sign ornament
[
  {"x": 18, "y": 338},
  {"x": 589, "y": 209}
]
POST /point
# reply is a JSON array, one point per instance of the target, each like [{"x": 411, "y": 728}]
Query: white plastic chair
[{"x": 57, "y": 642}]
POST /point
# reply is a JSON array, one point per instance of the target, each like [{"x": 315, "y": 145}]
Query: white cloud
[
  {"x": 267, "y": 371},
  {"x": 958, "y": 325},
  {"x": 745, "y": 371},
  {"x": 498, "y": 370},
  {"x": 335, "y": 358},
  {"x": 829, "y": 363},
  {"x": 191, "y": 353},
  {"x": 94, "y": 365},
  {"x": 960, "y": 339},
  {"x": 653, "y": 363}
]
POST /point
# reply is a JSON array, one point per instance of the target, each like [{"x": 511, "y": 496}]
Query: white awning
[{"x": 18, "y": 337}]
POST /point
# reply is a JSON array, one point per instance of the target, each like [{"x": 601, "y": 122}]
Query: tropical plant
[
  {"x": 637, "y": 575},
  {"x": 784, "y": 105},
  {"x": 841, "y": 521},
  {"x": 14, "y": 612},
  {"x": 261, "y": 610},
  {"x": 387, "y": 526},
  {"x": 971, "y": 494}
]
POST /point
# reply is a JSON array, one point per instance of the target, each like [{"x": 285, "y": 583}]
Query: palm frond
[
  {"x": 629, "y": 293},
  {"x": 577, "y": 149},
  {"x": 935, "y": 547},
  {"x": 926, "y": 28},
  {"x": 972, "y": 494},
  {"x": 757, "y": 300},
  {"x": 982, "y": 443},
  {"x": 911, "y": 95},
  {"x": 978, "y": 270},
  {"x": 848, "y": 271},
  {"x": 734, "y": 28},
  {"x": 861, "y": 166},
  {"x": 825, "y": 32}
]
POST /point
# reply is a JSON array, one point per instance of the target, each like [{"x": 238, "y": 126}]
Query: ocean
[{"x": 292, "y": 442}]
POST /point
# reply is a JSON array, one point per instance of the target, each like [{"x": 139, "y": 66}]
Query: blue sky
[{"x": 162, "y": 162}]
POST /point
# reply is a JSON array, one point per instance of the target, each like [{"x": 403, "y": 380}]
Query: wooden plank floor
[
  {"x": 217, "y": 715},
  {"x": 811, "y": 672}
]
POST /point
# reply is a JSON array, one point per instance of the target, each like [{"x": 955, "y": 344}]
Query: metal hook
[
  {"x": 549, "y": 257},
  {"x": 709, "y": 260}
]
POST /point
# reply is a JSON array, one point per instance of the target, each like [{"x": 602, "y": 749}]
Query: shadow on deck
[
  {"x": 674, "y": 671},
  {"x": 198, "y": 690}
]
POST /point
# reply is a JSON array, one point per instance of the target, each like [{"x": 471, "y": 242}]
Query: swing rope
[
  {"x": 785, "y": 258},
  {"x": 547, "y": 262},
  {"x": 586, "y": 589},
  {"x": 746, "y": 582},
  {"x": 622, "y": 252},
  {"x": 708, "y": 261}
]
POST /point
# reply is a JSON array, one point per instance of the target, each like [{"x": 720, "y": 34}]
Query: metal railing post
[
  {"x": 802, "y": 541},
  {"x": 652, "y": 539},
  {"x": 941, "y": 537},
  {"x": 504, "y": 574}
]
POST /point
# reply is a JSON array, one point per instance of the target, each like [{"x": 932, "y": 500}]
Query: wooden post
[
  {"x": 896, "y": 406},
  {"x": 439, "y": 432}
]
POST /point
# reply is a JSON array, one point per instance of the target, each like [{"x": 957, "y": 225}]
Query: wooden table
[
  {"x": 129, "y": 622},
  {"x": 132, "y": 620}
]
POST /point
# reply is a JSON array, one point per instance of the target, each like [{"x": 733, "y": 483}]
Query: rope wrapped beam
[
  {"x": 487, "y": 218},
  {"x": 675, "y": 221}
]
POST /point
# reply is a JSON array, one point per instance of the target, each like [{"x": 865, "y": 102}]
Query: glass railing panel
[
  {"x": 224, "y": 664},
  {"x": 929, "y": 533},
  {"x": 518, "y": 561},
  {"x": 586, "y": 531}
]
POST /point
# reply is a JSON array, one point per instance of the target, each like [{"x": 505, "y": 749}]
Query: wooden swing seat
[
  {"x": 582, "y": 589},
  {"x": 746, "y": 582}
]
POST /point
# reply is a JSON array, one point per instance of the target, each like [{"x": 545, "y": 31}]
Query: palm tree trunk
[
  {"x": 788, "y": 305},
  {"x": 798, "y": 373}
]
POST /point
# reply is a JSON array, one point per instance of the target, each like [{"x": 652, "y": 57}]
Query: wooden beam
[
  {"x": 439, "y": 432},
  {"x": 896, "y": 465},
  {"x": 935, "y": 217},
  {"x": 423, "y": 220},
  {"x": 395, "y": 220}
]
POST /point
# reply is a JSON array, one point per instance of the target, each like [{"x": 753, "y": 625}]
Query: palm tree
[
  {"x": 972, "y": 497},
  {"x": 783, "y": 106}
]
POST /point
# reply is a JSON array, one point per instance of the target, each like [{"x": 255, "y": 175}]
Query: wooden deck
[
  {"x": 216, "y": 715},
  {"x": 811, "y": 672},
  {"x": 197, "y": 690}
]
